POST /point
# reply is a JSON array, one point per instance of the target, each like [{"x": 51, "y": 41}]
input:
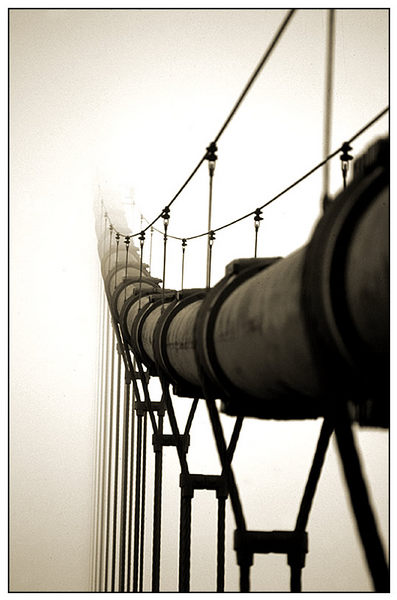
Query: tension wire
[
  {"x": 141, "y": 241},
  {"x": 184, "y": 244},
  {"x": 257, "y": 222},
  {"x": 166, "y": 219},
  {"x": 211, "y": 157}
]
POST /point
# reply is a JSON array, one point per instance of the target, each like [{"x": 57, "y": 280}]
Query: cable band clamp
[{"x": 211, "y": 157}]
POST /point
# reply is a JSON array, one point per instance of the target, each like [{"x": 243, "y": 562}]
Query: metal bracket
[
  {"x": 164, "y": 439},
  {"x": 188, "y": 482},
  {"x": 292, "y": 543}
]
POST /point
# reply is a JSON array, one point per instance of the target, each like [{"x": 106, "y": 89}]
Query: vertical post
[
  {"x": 296, "y": 579},
  {"x": 110, "y": 457},
  {"x": 98, "y": 447},
  {"x": 220, "y": 575},
  {"x": 131, "y": 488},
  {"x": 137, "y": 501},
  {"x": 245, "y": 577},
  {"x": 185, "y": 540},
  {"x": 103, "y": 461},
  {"x": 143, "y": 503},
  {"x": 124, "y": 481},
  {"x": 116, "y": 471},
  {"x": 328, "y": 101},
  {"x": 158, "y": 468}
]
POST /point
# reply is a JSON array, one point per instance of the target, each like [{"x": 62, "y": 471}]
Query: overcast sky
[{"x": 129, "y": 100}]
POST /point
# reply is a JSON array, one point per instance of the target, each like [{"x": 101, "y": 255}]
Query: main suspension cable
[
  {"x": 285, "y": 190},
  {"x": 295, "y": 183},
  {"x": 255, "y": 73},
  {"x": 229, "y": 118}
]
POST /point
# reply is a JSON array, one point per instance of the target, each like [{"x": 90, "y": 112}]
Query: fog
[{"x": 129, "y": 100}]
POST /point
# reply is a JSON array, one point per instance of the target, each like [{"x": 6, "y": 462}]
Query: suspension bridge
[{"x": 300, "y": 337}]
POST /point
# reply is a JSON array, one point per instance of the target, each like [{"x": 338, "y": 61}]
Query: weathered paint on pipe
[
  {"x": 259, "y": 334},
  {"x": 180, "y": 343},
  {"x": 367, "y": 276}
]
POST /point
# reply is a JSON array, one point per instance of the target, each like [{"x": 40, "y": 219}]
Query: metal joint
[
  {"x": 292, "y": 543},
  {"x": 188, "y": 482},
  {"x": 160, "y": 440}
]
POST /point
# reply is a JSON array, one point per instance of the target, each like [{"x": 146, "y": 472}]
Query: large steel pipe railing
[{"x": 256, "y": 336}]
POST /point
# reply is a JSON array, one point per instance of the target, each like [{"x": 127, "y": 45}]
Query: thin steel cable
[
  {"x": 124, "y": 481},
  {"x": 116, "y": 472},
  {"x": 367, "y": 126},
  {"x": 151, "y": 250},
  {"x": 184, "y": 244},
  {"x": 221, "y": 508},
  {"x": 130, "y": 491},
  {"x": 106, "y": 408},
  {"x": 257, "y": 222},
  {"x": 185, "y": 503},
  {"x": 110, "y": 460},
  {"x": 211, "y": 238},
  {"x": 328, "y": 98},
  {"x": 231, "y": 114},
  {"x": 308, "y": 495},
  {"x": 255, "y": 73},
  {"x": 192, "y": 174},
  {"x": 146, "y": 401},
  {"x": 95, "y": 453},
  {"x": 296, "y": 182},
  {"x": 127, "y": 245},
  {"x": 117, "y": 259},
  {"x": 174, "y": 425},
  {"x": 104, "y": 446},
  {"x": 225, "y": 462},
  {"x": 166, "y": 217},
  {"x": 256, "y": 243},
  {"x": 314, "y": 476},
  {"x": 360, "y": 501},
  {"x": 138, "y": 463},
  {"x": 225, "y": 457},
  {"x": 234, "y": 438},
  {"x": 290, "y": 187},
  {"x": 141, "y": 241},
  {"x": 209, "y": 245},
  {"x": 190, "y": 417},
  {"x": 157, "y": 502},
  {"x": 101, "y": 431},
  {"x": 98, "y": 440},
  {"x": 144, "y": 383},
  {"x": 143, "y": 503}
]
